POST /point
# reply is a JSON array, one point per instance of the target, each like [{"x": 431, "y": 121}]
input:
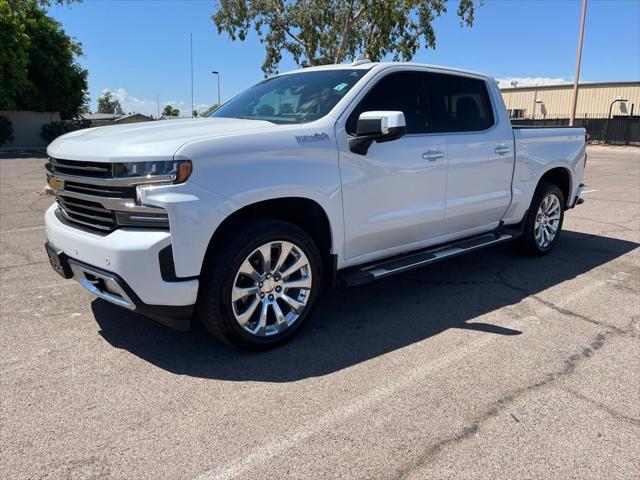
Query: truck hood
[{"x": 148, "y": 141}]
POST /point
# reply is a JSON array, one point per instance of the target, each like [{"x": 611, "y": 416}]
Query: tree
[
  {"x": 169, "y": 111},
  {"x": 38, "y": 68},
  {"x": 48, "y": 3},
  {"x": 318, "y": 32},
  {"x": 107, "y": 103},
  {"x": 212, "y": 108},
  {"x": 14, "y": 57}
]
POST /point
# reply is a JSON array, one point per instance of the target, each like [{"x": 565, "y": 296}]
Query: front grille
[
  {"x": 100, "y": 196},
  {"x": 90, "y": 214},
  {"x": 80, "y": 168}
]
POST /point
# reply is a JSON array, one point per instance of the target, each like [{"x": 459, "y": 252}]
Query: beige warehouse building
[{"x": 554, "y": 101}]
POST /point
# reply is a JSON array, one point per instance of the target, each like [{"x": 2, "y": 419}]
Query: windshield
[{"x": 292, "y": 98}]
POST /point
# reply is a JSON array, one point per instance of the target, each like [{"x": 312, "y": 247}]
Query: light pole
[
  {"x": 191, "y": 50},
  {"x": 615, "y": 100},
  {"x": 217, "y": 74},
  {"x": 539, "y": 101},
  {"x": 576, "y": 79},
  {"x": 158, "y": 98}
]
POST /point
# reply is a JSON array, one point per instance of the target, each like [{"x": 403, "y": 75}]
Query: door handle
[
  {"x": 432, "y": 155},
  {"x": 502, "y": 149}
]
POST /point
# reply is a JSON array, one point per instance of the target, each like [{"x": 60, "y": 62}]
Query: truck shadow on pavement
[{"x": 352, "y": 325}]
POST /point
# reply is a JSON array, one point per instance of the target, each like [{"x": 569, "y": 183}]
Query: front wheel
[
  {"x": 260, "y": 288},
  {"x": 544, "y": 221}
]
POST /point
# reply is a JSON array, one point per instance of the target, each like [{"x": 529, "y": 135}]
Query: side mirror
[{"x": 377, "y": 126}]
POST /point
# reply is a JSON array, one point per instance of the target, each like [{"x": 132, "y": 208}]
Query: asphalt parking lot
[{"x": 488, "y": 366}]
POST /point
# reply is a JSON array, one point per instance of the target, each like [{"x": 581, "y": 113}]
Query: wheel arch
[
  {"x": 560, "y": 176},
  {"x": 303, "y": 212}
]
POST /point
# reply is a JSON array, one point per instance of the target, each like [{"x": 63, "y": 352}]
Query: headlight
[
  {"x": 172, "y": 171},
  {"x": 159, "y": 174}
]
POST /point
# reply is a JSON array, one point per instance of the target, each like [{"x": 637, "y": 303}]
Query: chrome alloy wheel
[
  {"x": 548, "y": 220},
  {"x": 272, "y": 288}
]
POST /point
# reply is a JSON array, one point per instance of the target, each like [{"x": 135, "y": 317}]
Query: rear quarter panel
[{"x": 539, "y": 150}]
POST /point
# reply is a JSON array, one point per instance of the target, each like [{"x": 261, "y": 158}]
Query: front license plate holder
[{"x": 58, "y": 261}]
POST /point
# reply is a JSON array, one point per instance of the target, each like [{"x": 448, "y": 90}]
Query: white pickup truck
[{"x": 335, "y": 174}]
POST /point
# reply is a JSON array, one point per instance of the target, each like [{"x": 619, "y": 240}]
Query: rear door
[{"x": 480, "y": 151}]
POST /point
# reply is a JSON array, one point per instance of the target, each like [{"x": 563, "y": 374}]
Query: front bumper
[{"x": 123, "y": 267}]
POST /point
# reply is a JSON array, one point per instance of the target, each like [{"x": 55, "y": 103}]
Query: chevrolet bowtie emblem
[{"x": 55, "y": 184}]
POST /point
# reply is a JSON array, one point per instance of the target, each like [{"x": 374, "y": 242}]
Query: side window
[
  {"x": 458, "y": 104},
  {"x": 402, "y": 91}
]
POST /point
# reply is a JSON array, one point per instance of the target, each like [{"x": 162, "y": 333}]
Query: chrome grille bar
[
  {"x": 97, "y": 218},
  {"x": 109, "y": 181},
  {"x": 106, "y": 191},
  {"x": 69, "y": 166},
  {"x": 87, "y": 224},
  {"x": 67, "y": 203},
  {"x": 109, "y": 203}
]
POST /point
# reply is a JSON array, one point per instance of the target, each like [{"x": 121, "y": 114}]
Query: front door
[{"x": 394, "y": 196}]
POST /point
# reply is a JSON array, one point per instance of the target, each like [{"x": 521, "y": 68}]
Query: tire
[
  {"x": 235, "y": 277},
  {"x": 537, "y": 237}
]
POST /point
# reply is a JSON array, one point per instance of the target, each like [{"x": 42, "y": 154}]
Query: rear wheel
[
  {"x": 544, "y": 221},
  {"x": 259, "y": 289}
]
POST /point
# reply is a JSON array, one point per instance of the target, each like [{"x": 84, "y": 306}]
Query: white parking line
[
  {"x": 25, "y": 229},
  {"x": 276, "y": 446},
  {"x": 273, "y": 447}
]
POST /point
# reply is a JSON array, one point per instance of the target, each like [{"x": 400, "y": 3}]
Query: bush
[
  {"x": 6, "y": 130},
  {"x": 51, "y": 131}
]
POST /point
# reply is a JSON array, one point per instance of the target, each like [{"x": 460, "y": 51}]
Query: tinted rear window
[{"x": 458, "y": 104}]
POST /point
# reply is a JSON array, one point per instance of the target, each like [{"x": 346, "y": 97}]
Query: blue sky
[{"x": 139, "y": 49}]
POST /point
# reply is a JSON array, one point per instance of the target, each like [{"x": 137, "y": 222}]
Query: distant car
[{"x": 333, "y": 174}]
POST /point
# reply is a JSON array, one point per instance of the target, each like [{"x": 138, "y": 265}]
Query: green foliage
[
  {"x": 13, "y": 57},
  {"x": 38, "y": 70},
  {"x": 169, "y": 111},
  {"x": 212, "y": 108},
  {"x": 6, "y": 130},
  {"x": 318, "y": 32},
  {"x": 48, "y": 3},
  {"x": 51, "y": 131},
  {"x": 107, "y": 103}
]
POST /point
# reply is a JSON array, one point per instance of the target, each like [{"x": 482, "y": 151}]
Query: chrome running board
[{"x": 368, "y": 273}]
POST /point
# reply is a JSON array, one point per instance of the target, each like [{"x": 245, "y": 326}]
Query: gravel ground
[{"x": 487, "y": 366}]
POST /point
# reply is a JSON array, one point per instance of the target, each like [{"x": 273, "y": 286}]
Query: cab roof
[{"x": 368, "y": 65}]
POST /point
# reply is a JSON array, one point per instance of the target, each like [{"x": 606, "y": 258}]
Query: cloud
[
  {"x": 531, "y": 81},
  {"x": 201, "y": 107}
]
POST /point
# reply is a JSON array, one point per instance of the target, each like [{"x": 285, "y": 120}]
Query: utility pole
[
  {"x": 191, "y": 37},
  {"x": 158, "y": 98},
  {"x": 576, "y": 79}
]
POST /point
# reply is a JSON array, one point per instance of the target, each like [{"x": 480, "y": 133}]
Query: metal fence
[{"x": 616, "y": 131}]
